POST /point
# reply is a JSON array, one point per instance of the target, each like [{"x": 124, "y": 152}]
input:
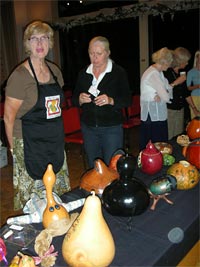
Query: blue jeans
[{"x": 101, "y": 142}]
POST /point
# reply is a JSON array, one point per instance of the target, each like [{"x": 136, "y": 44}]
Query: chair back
[
  {"x": 71, "y": 120},
  {"x": 134, "y": 109}
]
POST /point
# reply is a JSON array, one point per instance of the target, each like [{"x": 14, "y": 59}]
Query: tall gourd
[
  {"x": 89, "y": 242},
  {"x": 53, "y": 210}
]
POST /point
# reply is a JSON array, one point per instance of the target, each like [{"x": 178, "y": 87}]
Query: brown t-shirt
[{"x": 21, "y": 85}]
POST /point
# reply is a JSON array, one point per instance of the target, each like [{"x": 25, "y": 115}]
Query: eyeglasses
[{"x": 36, "y": 40}]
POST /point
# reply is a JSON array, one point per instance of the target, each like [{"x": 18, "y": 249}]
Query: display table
[{"x": 145, "y": 241}]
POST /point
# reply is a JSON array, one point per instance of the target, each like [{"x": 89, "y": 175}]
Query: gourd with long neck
[
  {"x": 53, "y": 210},
  {"x": 89, "y": 242}
]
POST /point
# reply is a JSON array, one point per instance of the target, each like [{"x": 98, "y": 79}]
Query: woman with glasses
[{"x": 33, "y": 118}]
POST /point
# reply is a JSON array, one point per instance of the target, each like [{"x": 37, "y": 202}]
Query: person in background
[
  {"x": 193, "y": 84},
  {"x": 155, "y": 93},
  {"x": 175, "y": 109},
  {"x": 33, "y": 120},
  {"x": 102, "y": 90}
]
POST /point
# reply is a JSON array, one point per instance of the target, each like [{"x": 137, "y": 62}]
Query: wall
[{"x": 27, "y": 11}]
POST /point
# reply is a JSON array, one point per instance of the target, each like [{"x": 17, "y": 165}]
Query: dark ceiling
[{"x": 68, "y": 8}]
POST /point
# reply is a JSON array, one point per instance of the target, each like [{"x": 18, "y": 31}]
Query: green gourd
[{"x": 168, "y": 159}]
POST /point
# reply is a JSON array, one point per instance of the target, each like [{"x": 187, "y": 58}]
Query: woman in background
[
  {"x": 193, "y": 84},
  {"x": 175, "y": 109},
  {"x": 155, "y": 93},
  {"x": 102, "y": 90},
  {"x": 33, "y": 120}
]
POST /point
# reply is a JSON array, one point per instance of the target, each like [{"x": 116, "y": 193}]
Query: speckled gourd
[
  {"x": 53, "y": 210},
  {"x": 89, "y": 242}
]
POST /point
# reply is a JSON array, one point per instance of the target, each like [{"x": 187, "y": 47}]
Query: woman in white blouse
[{"x": 155, "y": 93}]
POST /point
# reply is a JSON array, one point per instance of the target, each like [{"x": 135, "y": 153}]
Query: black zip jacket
[{"x": 114, "y": 84}]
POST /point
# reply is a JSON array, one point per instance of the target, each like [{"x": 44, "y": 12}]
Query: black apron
[{"x": 42, "y": 129}]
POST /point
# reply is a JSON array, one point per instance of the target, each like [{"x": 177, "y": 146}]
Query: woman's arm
[
  {"x": 11, "y": 108},
  {"x": 192, "y": 105},
  {"x": 193, "y": 87}
]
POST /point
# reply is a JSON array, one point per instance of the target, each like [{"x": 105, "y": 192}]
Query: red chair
[
  {"x": 68, "y": 99},
  {"x": 72, "y": 128},
  {"x": 131, "y": 118}
]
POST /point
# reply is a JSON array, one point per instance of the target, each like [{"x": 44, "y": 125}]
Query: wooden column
[{"x": 144, "y": 43}]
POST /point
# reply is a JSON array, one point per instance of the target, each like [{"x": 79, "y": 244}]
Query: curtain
[{"x": 9, "y": 57}]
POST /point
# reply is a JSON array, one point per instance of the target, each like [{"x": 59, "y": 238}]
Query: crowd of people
[
  {"x": 34, "y": 98},
  {"x": 165, "y": 94}
]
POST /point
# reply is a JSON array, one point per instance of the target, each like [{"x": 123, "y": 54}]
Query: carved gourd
[
  {"x": 89, "y": 242},
  {"x": 193, "y": 128},
  {"x": 192, "y": 153},
  {"x": 150, "y": 159},
  {"x": 53, "y": 210},
  {"x": 186, "y": 174},
  {"x": 98, "y": 178}
]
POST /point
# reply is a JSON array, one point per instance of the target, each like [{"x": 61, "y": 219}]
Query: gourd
[
  {"x": 186, "y": 174},
  {"x": 113, "y": 162},
  {"x": 27, "y": 261},
  {"x": 168, "y": 159},
  {"x": 3, "y": 250},
  {"x": 89, "y": 242},
  {"x": 15, "y": 261},
  {"x": 192, "y": 153},
  {"x": 98, "y": 178},
  {"x": 193, "y": 128},
  {"x": 164, "y": 148},
  {"x": 53, "y": 210},
  {"x": 21, "y": 260}
]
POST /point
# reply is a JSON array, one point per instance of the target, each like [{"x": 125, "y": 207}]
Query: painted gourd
[
  {"x": 3, "y": 250},
  {"x": 193, "y": 128},
  {"x": 98, "y": 178},
  {"x": 192, "y": 153},
  {"x": 53, "y": 210},
  {"x": 162, "y": 185},
  {"x": 164, "y": 148},
  {"x": 89, "y": 242},
  {"x": 21, "y": 260},
  {"x": 186, "y": 174},
  {"x": 150, "y": 159},
  {"x": 113, "y": 162},
  {"x": 27, "y": 261},
  {"x": 168, "y": 160},
  {"x": 126, "y": 196}
]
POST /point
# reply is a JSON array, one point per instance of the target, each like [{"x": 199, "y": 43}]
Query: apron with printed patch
[{"x": 43, "y": 132}]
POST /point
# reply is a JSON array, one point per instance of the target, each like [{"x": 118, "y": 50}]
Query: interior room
[{"x": 135, "y": 30}]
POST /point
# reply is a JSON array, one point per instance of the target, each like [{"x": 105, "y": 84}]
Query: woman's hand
[
  {"x": 157, "y": 98},
  {"x": 180, "y": 80},
  {"x": 102, "y": 100},
  {"x": 84, "y": 98}
]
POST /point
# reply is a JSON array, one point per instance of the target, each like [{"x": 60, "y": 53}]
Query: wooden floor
[{"x": 76, "y": 170}]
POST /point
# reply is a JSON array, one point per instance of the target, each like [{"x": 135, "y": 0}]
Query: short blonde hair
[
  {"x": 197, "y": 54},
  {"x": 101, "y": 39},
  {"x": 182, "y": 55},
  {"x": 37, "y": 27},
  {"x": 162, "y": 56}
]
